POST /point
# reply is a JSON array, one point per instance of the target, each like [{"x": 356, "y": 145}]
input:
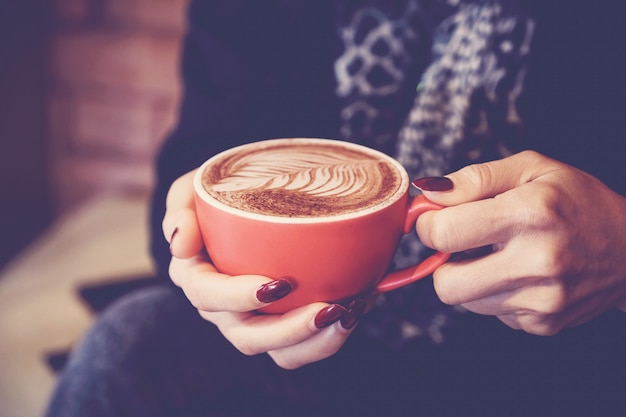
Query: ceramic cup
[{"x": 268, "y": 208}]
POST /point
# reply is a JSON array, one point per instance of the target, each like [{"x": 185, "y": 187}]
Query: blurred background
[{"x": 88, "y": 91}]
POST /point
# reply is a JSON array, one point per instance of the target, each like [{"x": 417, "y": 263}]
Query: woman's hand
[
  {"x": 296, "y": 338},
  {"x": 558, "y": 237}
]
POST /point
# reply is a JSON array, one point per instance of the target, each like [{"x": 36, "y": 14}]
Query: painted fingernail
[
  {"x": 434, "y": 183},
  {"x": 328, "y": 315},
  {"x": 353, "y": 315},
  {"x": 273, "y": 291},
  {"x": 172, "y": 238}
]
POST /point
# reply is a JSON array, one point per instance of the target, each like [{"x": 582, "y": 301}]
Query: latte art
[{"x": 301, "y": 178}]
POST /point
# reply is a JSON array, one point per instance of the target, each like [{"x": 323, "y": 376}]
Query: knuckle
[
  {"x": 247, "y": 349},
  {"x": 197, "y": 300},
  {"x": 242, "y": 343},
  {"x": 329, "y": 350},
  {"x": 531, "y": 323},
  {"x": 478, "y": 174},
  {"x": 541, "y": 209},
  {"x": 173, "y": 271},
  {"x": 197, "y": 296},
  {"x": 530, "y": 155},
  {"x": 285, "y": 362},
  {"x": 546, "y": 264},
  {"x": 542, "y": 328},
  {"x": 550, "y": 261},
  {"x": 551, "y": 301},
  {"x": 194, "y": 298},
  {"x": 176, "y": 185},
  {"x": 543, "y": 317},
  {"x": 445, "y": 296}
]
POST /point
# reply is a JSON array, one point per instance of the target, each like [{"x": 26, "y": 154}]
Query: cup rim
[{"x": 201, "y": 192}]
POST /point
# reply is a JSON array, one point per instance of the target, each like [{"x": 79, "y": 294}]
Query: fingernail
[
  {"x": 328, "y": 315},
  {"x": 172, "y": 238},
  {"x": 353, "y": 315},
  {"x": 434, "y": 183},
  {"x": 273, "y": 291}
]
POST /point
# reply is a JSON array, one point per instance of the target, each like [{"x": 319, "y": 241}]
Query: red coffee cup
[{"x": 326, "y": 258}]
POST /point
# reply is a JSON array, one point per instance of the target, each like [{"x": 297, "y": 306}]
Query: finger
[
  {"x": 527, "y": 209},
  {"x": 499, "y": 272},
  {"x": 320, "y": 346},
  {"x": 480, "y": 181},
  {"x": 253, "y": 334},
  {"x": 469, "y": 226},
  {"x": 551, "y": 307},
  {"x": 530, "y": 324},
  {"x": 496, "y": 305},
  {"x": 538, "y": 325},
  {"x": 179, "y": 196},
  {"x": 209, "y": 290},
  {"x": 541, "y": 299},
  {"x": 180, "y": 226},
  {"x": 185, "y": 238}
]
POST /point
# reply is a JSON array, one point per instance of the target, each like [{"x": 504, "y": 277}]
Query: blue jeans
[{"x": 150, "y": 354}]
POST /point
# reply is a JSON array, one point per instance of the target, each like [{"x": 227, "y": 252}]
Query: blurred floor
[{"x": 41, "y": 313}]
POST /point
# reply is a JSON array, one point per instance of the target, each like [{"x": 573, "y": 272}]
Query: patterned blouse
[{"x": 461, "y": 67}]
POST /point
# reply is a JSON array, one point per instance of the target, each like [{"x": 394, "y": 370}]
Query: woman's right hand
[{"x": 293, "y": 339}]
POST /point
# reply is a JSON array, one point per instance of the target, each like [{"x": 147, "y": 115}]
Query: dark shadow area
[{"x": 25, "y": 204}]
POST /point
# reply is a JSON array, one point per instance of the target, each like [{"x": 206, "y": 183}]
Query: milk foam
[{"x": 301, "y": 179}]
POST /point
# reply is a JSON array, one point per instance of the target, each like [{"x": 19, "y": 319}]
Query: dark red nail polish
[
  {"x": 434, "y": 184},
  {"x": 172, "y": 238},
  {"x": 328, "y": 315},
  {"x": 273, "y": 291},
  {"x": 354, "y": 314}
]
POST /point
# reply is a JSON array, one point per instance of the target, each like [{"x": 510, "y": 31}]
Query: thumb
[{"x": 480, "y": 181}]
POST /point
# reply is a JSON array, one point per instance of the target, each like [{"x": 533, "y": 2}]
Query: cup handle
[{"x": 402, "y": 277}]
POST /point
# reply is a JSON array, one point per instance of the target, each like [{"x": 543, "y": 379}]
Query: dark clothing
[
  {"x": 152, "y": 355},
  {"x": 246, "y": 85}
]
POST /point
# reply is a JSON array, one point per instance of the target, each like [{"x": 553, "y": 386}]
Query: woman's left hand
[{"x": 558, "y": 237}]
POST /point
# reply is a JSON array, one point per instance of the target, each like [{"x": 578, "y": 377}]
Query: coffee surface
[{"x": 301, "y": 179}]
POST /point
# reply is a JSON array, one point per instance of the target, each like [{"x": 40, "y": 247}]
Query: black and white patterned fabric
[{"x": 456, "y": 70}]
